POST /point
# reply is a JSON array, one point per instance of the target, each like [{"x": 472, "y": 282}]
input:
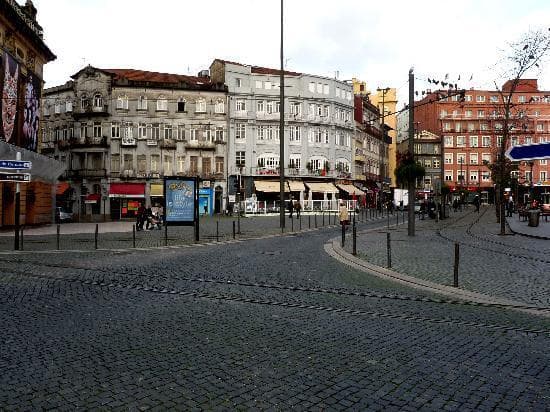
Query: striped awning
[
  {"x": 351, "y": 189},
  {"x": 322, "y": 187},
  {"x": 296, "y": 186},
  {"x": 269, "y": 186}
]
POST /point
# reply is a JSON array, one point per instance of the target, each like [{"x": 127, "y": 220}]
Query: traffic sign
[
  {"x": 15, "y": 164},
  {"x": 15, "y": 177},
  {"x": 529, "y": 152}
]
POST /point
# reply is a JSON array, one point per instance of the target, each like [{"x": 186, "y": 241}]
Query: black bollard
[
  {"x": 95, "y": 235},
  {"x": 134, "y": 236},
  {"x": 291, "y": 225},
  {"x": 343, "y": 233},
  {"x": 233, "y": 229},
  {"x": 388, "y": 247},
  {"x": 354, "y": 252},
  {"x": 22, "y": 242},
  {"x": 309, "y": 221},
  {"x": 300, "y": 223},
  {"x": 323, "y": 218},
  {"x": 166, "y": 235},
  {"x": 58, "y": 236},
  {"x": 457, "y": 259},
  {"x": 315, "y": 216}
]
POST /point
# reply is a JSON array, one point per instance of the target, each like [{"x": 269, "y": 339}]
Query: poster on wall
[
  {"x": 9, "y": 82},
  {"x": 31, "y": 113},
  {"x": 180, "y": 200}
]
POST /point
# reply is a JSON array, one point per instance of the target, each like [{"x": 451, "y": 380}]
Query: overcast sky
[{"x": 376, "y": 41}]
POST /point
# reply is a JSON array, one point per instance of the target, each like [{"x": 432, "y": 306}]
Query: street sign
[
  {"x": 15, "y": 164},
  {"x": 15, "y": 177},
  {"x": 529, "y": 152}
]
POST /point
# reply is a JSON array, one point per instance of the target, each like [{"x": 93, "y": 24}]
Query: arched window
[
  {"x": 84, "y": 102},
  {"x": 98, "y": 101},
  {"x": 162, "y": 104},
  {"x": 68, "y": 105},
  {"x": 269, "y": 161},
  {"x": 200, "y": 106},
  {"x": 142, "y": 103},
  {"x": 219, "y": 106}
]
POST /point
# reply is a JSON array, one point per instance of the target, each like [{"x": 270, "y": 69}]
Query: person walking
[
  {"x": 298, "y": 208},
  {"x": 344, "y": 215},
  {"x": 140, "y": 218},
  {"x": 290, "y": 207},
  {"x": 510, "y": 206},
  {"x": 477, "y": 203}
]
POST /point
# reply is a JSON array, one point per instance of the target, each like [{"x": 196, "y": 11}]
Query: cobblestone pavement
[
  {"x": 511, "y": 266},
  {"x": 271, "y": 323}
]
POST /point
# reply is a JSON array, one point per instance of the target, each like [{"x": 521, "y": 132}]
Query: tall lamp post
[
  {"x": 282, "y": 131},
  {"x": 382, "y": 123}
]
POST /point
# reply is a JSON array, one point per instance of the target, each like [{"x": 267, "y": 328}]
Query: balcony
[
  {"x": 86, "y": 173},
  {"x": 194, "y": 144},
  {"x": 168, "y": 144},
  {"x": 267, "y": 116},
  {"x": 88, "y": 142},
  {"x": 91, "y": 111},
  {"x": 47, "y": 147},
  {"x": 128, "y": 141}
]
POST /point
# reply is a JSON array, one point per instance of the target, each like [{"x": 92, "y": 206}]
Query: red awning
[
  {"x": 61, "y": 188},
  {"x": 131, "y": 190},
  {"x": 92, "y": 198}
]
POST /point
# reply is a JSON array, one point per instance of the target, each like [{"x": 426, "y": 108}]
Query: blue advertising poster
[{"x": 180, "y": 200}]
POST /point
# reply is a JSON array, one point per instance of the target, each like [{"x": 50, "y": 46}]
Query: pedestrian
[
  {"x": 140, "y": 216},
  {"x": 477, "y": 203},
  {"x": 344, "y": 215},
  {"x": 298, "y": 208},
  {"x": 290, "y": 207},
  {"x": 510, "y": 206},
  {"x": 148, "y": 218}
]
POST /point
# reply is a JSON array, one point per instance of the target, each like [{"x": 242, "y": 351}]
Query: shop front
[
  {"x": 125, "y": 199},
  {"x": 156, "y": 194},
  {"x": 206, "y": 201}
]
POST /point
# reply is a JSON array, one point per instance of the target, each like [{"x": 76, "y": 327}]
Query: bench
[{"x": 545, "y": 211}]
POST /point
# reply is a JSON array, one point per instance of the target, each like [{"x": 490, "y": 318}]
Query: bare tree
[{"x": 524, "y": 56}]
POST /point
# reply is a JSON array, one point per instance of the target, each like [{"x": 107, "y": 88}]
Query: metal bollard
[
  {"x": 134, "y": 236},
  {"x": 292, "y": 224},
  {"x": 343, "y": 234},
  {"x": 457, "y": 259},
  {"x": 95, "y": 235},
  {"x": 58, "y": 236},
  {"x": 217, "y": 231},
  {"x": 166, "y": 235},
  {"x": 309, "y": 221},
  {"x": 233, "y": 229},
  {"x": 388, "y": 213},
  {"x": 300, "y": 223},
  {"x": 22, "y": 241},
  {"x": 354, "y": 252},
  {"x": 388, "y": 247},
  {"x": 397, "y": 218},
  {"x": 315, "y": 221}
]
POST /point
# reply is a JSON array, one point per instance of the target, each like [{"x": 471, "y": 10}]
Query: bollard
[
  {"x": 388, "y": 213},
  {"x": 455, "y": 271},
  {"x": 343, "y": 233},
  {"x": 22, "y": 241},
  {"x": 323, "y": 218},
  {"x": 95, "y": 235},
  {"x": 315, "y": 221},
  {"x": 134, "y": 236},
  {"x": 291, "y": 225},
  {"x": 354, "y": 252},
  {"x": 309, "y": 221},
  {"x": 58, "y": 235},
  {"x": 300, "y": 223},
  {"x": 217, "y": 231},
  {"x": 166, "y": 235},
  {"x": 397, "y": 218},
  {"x": 233, "y": 229},
  {"x": 388, "y": 247}
]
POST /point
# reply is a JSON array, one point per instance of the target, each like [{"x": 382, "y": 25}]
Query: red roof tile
[{"x": 155, "y": 77}]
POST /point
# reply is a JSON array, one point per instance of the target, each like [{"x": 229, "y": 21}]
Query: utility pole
[
  {"x": 282, "y": 130},
  {"x": 18, "y": 207},
  {"x": 410, "y": 228}
]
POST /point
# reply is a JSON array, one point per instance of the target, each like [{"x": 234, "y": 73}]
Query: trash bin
[{"x": 533, "y": 218}]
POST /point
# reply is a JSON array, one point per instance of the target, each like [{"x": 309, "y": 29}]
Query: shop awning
[
  {"x": 351, "y": 189},
  {"x": 127, "y": 190},
  {"x": 322, "y": 187},
  {"x": 269, "y": 186},
  {"x": 92, "y": 198},
  {"x": 61, "y": 188},
  {"x": 157, "y": 190},
  {"x": 296, "y": 186}
]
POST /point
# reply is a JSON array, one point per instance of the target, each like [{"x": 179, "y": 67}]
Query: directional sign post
[
  {"x": 15, "y": 177},
  {"x": 15, "y": 164},
  {"x": 529, "y": 152}
]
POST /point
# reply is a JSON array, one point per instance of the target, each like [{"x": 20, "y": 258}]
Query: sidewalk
[{"x": 542, "y": 231}]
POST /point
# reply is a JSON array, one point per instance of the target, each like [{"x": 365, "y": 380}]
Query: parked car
[{"x": 62, "y": 215}]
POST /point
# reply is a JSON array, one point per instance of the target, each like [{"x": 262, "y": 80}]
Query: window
[
  {"x": 460, "y": 141},
  {"x": 142, "y": 131},
  {"x": 295, "y": 108},
  {"x": 473, "y": 158},
  {"x": 115, "y": 130},
  {"x": 219, "y": 164},
  {"x": 448, "y": 175},
  {"x": 461, "y": 158},
  {"x": 486, "y": 141},
  {"x": 206, "y": 165},
  {"x": 455, "y": 113},
  {"x": 295, "y": 161},
  {"x": 446, "y": 126},
  {"x": 155, "y": 163},
  {"x": 240, "y": 159},
  {"x": 220, "y": 134},
  {"x": 115, "y": 163},
  {"x": 267, "y": 85},
  {"x": 521, "y": 99},
  {"x": 485, "y": 176},
  {"x": 142, "y": 103},
  {"x": 493, "y": 99},
  {"x": 240, "y": 131},
  {"x": 448, "y": 158},
  {"x": 499, "y": 141},
  {"x": 180, "y": 132},
  {"x": 193, "y": 137},
  {"x": 69, "y": 105},
  {"x": 484, "y": 127},
  {"x": 238, "y": 82},
  {"x": 240, "y": 105},
  {"x": 57, "y": 108},
  {"x": 167, "y": 131},
  {"x": 528, "y": 175},
  {"x": 128, "y": 161},
  {"x": 486, "y": 158},
  {"x": 543, "y": 162},
  {"x": 312, "y": 87},
  {"x": 200, "y": 106},
  {"x": 142, "y": 163},
  {"x": 436, "y": 163},
  {"x": 473, "y": 141},
  {"x": 458, "y": 127},
  {"x": 468, "y": 113},
  {"x": 122, "y": 102},
  {"x": 326, "y": 111},
  {"x": 468, "y": 98},
  {"x": 162, "y": 104},
  {"x": 498, "y": 126},
  {"x": 98, "y": 101},
  {"x": 540, "y": 127},
  {"x": 528, "y": 140},
  {"x": 295, "y": 135},
  {"x": 448, "y": 141},
  {"x": 543, "y": 175},
  {"x": 471, "y": 127},
  {"x": 481, "y": 113},
  {"x": 155, "y": 132},
  {"x": 513, "y": 141},
  {"x": 326, "y": 89},
  {"x": 180, "y": 164},
  {"x": 194, "y": 165},
  {"x": 97, "y": 129},
  {"x": 207, "y": 135},
  {"x": 258, "y": 84},
  {"x": 83, "y": 130},
  {"x": 480, "y": 99},
  {"x": 167, "y": 165},
  {"x": 219, "y": 106},
  {"x": 181, "y": 105},
  {"x": 473, "y": 175}
]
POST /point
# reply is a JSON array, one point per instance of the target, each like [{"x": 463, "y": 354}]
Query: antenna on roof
[{"x": 337, "y": 74}]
